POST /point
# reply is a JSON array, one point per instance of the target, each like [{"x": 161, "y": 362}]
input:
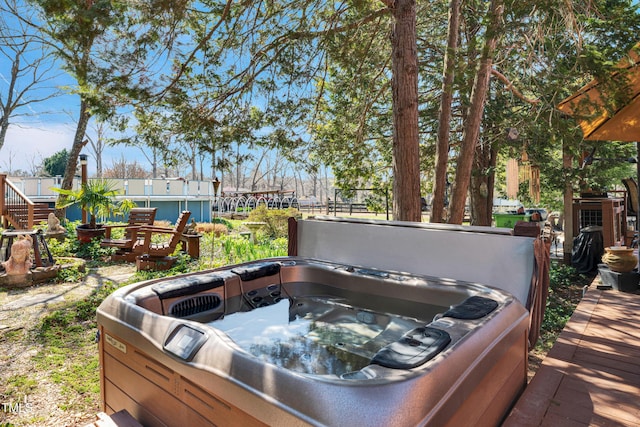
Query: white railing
[
  {"x": 171, "y": 188},
  {"x": 164, "y": 189}
]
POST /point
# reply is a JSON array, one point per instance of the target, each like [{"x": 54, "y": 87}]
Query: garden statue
[
  {"x": 20, "y": 260},
  {"x": 191, "y": 228},
  {"x": 53, "y": 224}
]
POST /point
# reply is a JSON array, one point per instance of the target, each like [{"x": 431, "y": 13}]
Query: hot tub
[{"x": 301, "y": 341}]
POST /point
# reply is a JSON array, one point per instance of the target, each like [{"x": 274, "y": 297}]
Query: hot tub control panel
[{"x": 184, "y": 342}]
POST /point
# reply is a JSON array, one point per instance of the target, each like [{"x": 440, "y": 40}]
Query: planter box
[
  {"x": 86, "y": 234},
  {"x": 622, "y": 282}
]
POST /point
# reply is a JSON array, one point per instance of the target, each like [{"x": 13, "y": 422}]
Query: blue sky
[
  {"x": 41, "y": 129},
  {"x": 48, "y": 128},
  {"x": 29, "y": 143}
]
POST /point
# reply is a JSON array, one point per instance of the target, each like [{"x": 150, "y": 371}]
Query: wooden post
[
  {"x": 293, "y": 237},
  {"x": 608, "y": 231},
  {"x": 567, "y": 246},
  {"x": 3, "y": 194},
  {"x": 83, "y": 178}
]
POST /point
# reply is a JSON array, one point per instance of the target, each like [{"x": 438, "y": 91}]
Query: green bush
[
  {"x": 62, "y": 248},
  {"x": 183, "y": 264},
  {"x": 71, "y": 272},
  {"x": 71, "y": 246},
  {"x": 93, "y": 250},
  {"x": 223, "y": 221},
  {"x": 276, "y": 220}
]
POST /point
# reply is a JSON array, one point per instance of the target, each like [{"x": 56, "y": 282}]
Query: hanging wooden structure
[
  {"x": 534, "y": 184},
  {"x": 523, "y": 171},
  {"x": 512, "y": 179}
]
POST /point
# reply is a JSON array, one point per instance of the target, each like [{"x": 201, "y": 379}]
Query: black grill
[{"x": 195, "y": 305}]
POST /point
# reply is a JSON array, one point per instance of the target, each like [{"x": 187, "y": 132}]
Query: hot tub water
[{"x": 318, "y": 335}]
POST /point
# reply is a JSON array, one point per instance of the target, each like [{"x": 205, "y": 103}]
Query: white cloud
[{"x": 26, "y": 146}]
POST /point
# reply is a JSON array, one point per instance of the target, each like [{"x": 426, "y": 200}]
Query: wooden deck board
[{"x": 591, "y": 376}]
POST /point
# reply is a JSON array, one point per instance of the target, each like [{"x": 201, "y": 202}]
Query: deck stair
[{"x": 17, "y": 210}]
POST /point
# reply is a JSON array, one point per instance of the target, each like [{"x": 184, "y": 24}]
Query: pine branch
[{"x": 512, "y": 89}]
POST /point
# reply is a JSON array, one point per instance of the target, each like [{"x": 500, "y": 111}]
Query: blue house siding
[
  {"x": 168, "y": 210},
  {"x": 170, "y": 196}
]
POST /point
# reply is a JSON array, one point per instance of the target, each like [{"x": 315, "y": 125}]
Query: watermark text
[{"x": 16, "y": 407}]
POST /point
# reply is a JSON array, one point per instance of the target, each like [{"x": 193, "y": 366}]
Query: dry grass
[
  {"x": 207, "y": 227},
  {"x": 163, "y": 223},
  {"x": 201, "y": 227}
]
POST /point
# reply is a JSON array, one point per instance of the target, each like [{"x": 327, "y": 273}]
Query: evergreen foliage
[
  {"x": 313, "y": 80},
  {"x": 56, "y": 164}
]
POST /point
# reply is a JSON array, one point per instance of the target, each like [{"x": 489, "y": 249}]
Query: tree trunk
[
  {"x": 9, "y": 105},
  {"x": 98, "y": 146},
  {"x": 78, "y": 143},
  {"x": 474, "y": 119},
  {"x": 194, "y": 163},
  {"x": 99, "y": 164},
  {"x": 315, "y": 185},
  {"x": 238, "y": 163},
  {"x": 442, "y": 147},
  {"x": 406, "y": 153},
  {"x": 482, "y": 185},
  {"x": 254, "y": 178},
  {"x": 4, "y": 126},
  {"x": 154, "y": 166}
]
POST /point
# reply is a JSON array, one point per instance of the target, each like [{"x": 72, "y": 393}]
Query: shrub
[
  {"x": 62, "y": 248},
  {"x": 93, "y": 251},
  {"x": 227, "y": 223},
  {"x": 276, "y": 220},
  {"x": 183, "y": 264},
  {"x": 220, "y": 229},
  {"x": 71, "y": 246},
  {"x": 71, "y": 271}
]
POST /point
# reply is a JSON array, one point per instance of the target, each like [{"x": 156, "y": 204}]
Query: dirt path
[{"x": 28, "y": 399}]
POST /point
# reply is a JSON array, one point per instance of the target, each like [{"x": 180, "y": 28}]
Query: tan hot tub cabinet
[{"x": 208, "y": 380}]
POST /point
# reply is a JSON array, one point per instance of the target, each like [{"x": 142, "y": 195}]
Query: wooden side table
[
  {"x": 42, "y": 255},
  {"x": 191, "y": 244}
]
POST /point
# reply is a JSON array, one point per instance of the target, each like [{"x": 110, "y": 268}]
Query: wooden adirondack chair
[
  {"x": 138, "y": 217},
  {"x": 154, "y": 254}
]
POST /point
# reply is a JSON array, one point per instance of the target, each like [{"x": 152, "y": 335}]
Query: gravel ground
[{"x": 21, "y": 310}]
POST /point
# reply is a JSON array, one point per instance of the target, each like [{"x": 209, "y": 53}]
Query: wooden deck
[{"x": 591, "y": 376}]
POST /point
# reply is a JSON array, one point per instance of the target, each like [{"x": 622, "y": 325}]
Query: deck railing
[{"x": 17, "y": 210}]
